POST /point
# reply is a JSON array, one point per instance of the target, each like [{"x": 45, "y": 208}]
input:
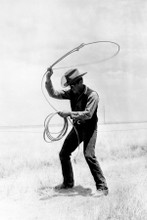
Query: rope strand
[{"x": 47, "y": 134}]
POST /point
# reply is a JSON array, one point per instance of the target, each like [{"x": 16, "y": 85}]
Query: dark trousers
[{"x": 88, "y": 136}]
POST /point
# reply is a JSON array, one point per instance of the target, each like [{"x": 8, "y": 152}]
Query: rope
[
  {"x": 88, "y": 63},
  {"x": 47, "y": 134}
]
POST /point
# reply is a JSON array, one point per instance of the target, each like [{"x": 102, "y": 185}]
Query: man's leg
[
  {"x": 89, "y": 153},
  {"x": 70, "y": 144}
]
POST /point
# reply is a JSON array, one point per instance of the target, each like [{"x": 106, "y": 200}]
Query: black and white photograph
[{"x": 73, "y": 110}]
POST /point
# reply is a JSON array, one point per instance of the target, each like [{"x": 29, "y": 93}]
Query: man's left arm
[{"x": 91, "y": 106}]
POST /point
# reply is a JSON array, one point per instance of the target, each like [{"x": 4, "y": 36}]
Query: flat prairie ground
[{"x": 30, "y": 168}]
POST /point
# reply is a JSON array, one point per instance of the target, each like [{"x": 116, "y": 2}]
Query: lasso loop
[{"x": 88, "y": 63}]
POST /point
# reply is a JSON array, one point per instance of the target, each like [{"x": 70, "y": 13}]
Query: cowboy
[{"x": 84, "y": 104}]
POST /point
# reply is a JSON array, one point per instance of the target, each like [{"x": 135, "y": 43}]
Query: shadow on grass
[{"x": 48, "y": 192}]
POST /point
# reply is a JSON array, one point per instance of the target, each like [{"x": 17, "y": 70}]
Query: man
[{"x": 84, "y": 105}]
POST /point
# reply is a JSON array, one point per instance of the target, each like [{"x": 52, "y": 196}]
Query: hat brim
[{"x": 64, "y": 82}]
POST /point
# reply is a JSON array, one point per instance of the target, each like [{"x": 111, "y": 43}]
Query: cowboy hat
[{"x": 71, "y": 76}]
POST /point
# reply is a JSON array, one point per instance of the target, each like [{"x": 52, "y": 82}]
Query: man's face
[{"x": 76, "y": 87}]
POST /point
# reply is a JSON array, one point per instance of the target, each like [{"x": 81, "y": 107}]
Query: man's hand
[
  {"x": 49, "y": 73},
  {"x": 64, "y": 114}
]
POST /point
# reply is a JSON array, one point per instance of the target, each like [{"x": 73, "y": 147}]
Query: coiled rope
[{"x": 47, "y": 134}]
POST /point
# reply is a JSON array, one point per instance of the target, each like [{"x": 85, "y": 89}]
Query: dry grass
[{"x": 29, "y": 168}]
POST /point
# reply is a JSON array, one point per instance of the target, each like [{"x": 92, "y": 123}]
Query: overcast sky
[{"x": 36, "y": 33}]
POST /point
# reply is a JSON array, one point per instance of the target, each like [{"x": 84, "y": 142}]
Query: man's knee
[
  {"x": 89, "y": 156},
  {"x": 64, "y": 155}
]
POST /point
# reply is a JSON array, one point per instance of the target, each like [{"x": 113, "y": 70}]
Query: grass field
[{"x": 30, "y": 168}]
